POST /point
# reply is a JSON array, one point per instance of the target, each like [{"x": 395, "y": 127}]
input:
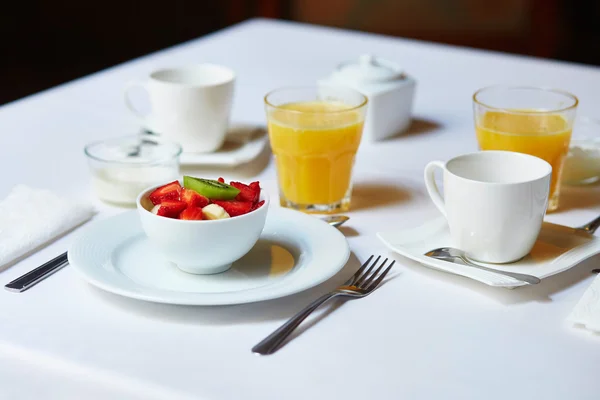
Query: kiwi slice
[{"x": 210, "y": 188}]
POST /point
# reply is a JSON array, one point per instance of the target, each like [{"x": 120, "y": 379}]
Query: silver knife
[{"x": 34, "y": 276}]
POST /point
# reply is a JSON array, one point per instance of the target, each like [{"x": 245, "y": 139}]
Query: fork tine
[
  {"x": 364, "y": 284},
  {"x": 361, "y": 279},
  {"x": 374, "y": 285},
  {"x": 357, "y": 274}
]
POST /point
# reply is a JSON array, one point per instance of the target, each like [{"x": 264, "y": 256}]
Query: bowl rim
[{"x": 264, "y": 195}]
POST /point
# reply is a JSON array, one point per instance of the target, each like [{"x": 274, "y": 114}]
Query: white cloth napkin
[
  {"x": 587, "y": 310},
  {"x": 31, "y": 217}
]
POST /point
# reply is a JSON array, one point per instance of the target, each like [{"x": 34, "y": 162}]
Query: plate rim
[{"x": 215, "y": 299}]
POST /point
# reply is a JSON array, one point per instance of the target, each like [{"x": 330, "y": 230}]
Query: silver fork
[{"x": 361, "y": 284}]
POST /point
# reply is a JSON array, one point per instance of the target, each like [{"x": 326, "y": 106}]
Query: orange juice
[
  {"x": 314, "y": 144},
  {"x": 543, "y": 135}
]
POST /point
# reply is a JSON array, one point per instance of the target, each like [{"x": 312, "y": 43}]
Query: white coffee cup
[
  {"x": 189, "y": 105},
  {"x": 494, "y": 201}
]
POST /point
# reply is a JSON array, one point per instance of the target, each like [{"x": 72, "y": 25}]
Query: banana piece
[{"x": 214, "y": 211}]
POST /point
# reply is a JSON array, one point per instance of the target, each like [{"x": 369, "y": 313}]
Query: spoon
[
  {"x": 450, "y": 254},
  {"x": 590, "y": 227},
  {"x": 336, "y": 220},
  {"x": 137, "y": 150}
]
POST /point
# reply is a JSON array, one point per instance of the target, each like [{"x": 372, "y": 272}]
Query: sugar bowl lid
[{"x": 369, "y": 69}]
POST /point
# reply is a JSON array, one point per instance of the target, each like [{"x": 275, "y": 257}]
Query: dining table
[{"x": 424, "y": 334}]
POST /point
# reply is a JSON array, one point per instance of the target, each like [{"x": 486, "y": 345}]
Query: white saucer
[
  {"x": 557, "y": 249},
  {"x": 243, "y": 144},
  {"x": 295, "y": 252}
]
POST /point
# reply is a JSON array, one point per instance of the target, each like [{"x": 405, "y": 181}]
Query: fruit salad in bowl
[{"x": 203, "y": 225}]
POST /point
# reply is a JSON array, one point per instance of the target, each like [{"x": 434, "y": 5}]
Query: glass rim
[
  {"x": 364, "y": 102},
  {"x": 178, "y": 149},
  {"x": 533, "y": 112}
]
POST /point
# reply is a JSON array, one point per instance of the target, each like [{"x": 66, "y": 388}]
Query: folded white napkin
[
  {"x": 32, "y": 217},
  {"x": 587, "y": 311}
]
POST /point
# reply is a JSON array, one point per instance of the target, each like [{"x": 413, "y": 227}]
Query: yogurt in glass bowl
[
  {"x": 582, "y": 165},
  {"x": 123, "y": 167}
]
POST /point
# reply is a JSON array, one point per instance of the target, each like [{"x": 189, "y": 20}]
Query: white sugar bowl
[{"x": 390, "y": 92}]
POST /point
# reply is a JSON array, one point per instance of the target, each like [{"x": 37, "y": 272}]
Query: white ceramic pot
[{"x": 389, "y": 89}]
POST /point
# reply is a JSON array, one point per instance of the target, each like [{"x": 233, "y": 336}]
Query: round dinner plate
[{"x": 295, "y": 252}]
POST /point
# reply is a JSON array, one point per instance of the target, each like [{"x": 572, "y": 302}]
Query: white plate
[
  {"x": 295, "y": 252},
  {"x": 557, "y": 249},
  {"x": 243, "y": 144}
]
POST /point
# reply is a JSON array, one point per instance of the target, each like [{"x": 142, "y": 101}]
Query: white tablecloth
[{"x": 425, "y": 334}]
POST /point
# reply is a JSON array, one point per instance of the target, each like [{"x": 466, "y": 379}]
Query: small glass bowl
[
  {"x": 122, "y": 167},
  {"x": 582, "y": 165}
]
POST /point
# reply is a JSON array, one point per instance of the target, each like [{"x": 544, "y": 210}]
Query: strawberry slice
[
  {"x": 191, "y": 213},
  {"x": 234, "y": 208},
  {"x": 255, "y": 186},
  {"x": 221, "y": 180},
  {"x": 193, "y": 198},
  {"x": 257, "y": 205},
  {"x": 246, "y": 193},
  {"x": 170, "y": 191},
  {"x": 171, "y": 208}
]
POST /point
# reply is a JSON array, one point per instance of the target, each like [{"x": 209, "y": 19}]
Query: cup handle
[
  {"x": 143, "y": 119},
  {"x": 432, "y": 188}
]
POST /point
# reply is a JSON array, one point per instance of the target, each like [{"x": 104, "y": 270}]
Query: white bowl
[{"x": 206, "y": 246}]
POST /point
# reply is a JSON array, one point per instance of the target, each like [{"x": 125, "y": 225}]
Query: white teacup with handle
[
  {"x": 189, "y": 105},
  {"x": 494, "y": 201}
]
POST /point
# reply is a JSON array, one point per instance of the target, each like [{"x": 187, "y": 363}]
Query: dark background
[{"x": 45, "y": 43}]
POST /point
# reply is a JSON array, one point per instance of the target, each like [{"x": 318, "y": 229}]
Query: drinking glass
[
  {"x": 122, "y": 167},
  {"x": 531, "y": 120},
  {"x": 314, "y": 134}
]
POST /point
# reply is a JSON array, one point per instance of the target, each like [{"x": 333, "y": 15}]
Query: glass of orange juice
[
  {"x": 315, "y": 133},
  {"x": 530, "y": 120}
]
